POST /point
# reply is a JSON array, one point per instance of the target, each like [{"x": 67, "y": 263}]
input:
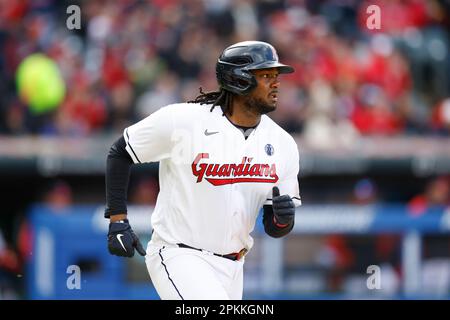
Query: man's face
[{"x": 263, "y": 99}]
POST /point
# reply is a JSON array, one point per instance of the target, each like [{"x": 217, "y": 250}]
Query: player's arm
[
  {"x": 121, "y": 239},
  {"x": 118, "y": 166},
  {"x": 148, "y": 140},
  {"x": 279, "y": 210},
  {"x": 278, "y": 218}
]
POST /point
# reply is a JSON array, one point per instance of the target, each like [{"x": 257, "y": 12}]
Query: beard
[{"x": 259, "y": 106}]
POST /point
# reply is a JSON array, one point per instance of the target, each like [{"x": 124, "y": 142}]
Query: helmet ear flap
[
  {"x": 234, "y": 79},
  {"x": 243, "y": 80}
]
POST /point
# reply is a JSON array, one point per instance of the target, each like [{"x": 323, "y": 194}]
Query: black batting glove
[
  {"x": 122, "y": 240},
  {"x": 283, "y": 207}
]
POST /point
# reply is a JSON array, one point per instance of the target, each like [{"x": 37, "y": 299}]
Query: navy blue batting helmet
[{"x": 236, "y": 61}]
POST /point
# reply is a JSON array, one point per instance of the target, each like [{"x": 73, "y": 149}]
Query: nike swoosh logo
[
  {"x": 119, "y": 236},
  {"x": 210, "y": 133}
]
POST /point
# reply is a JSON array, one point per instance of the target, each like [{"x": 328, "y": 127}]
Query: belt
[{"x": 235, "y": 256}]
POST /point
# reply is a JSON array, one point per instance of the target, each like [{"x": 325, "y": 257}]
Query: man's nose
[{"x": 275, "y": 84}]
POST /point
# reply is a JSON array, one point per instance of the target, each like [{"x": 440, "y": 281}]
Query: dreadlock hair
[{"x": 221, "y": 98}]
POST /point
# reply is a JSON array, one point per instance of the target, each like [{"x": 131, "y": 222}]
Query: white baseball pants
[{"x": 188, "y": 274}]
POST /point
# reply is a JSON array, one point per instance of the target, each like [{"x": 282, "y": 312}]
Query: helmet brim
[{"x": 282, "y": 68}]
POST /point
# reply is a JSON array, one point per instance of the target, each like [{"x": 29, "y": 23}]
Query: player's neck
[{"x": 242, "y": 116}]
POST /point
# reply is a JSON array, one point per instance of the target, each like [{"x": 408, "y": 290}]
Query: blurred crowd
[{"x": 130, "y": 58}]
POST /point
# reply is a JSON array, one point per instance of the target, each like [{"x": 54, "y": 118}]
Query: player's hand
[
  {"x": 283, "y": 207},
  {"x": 122, "y": 240}
]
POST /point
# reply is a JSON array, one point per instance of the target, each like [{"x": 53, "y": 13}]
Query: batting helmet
[{"x": 235, "y": 63}]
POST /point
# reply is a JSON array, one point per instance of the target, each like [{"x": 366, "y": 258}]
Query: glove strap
[{"x": 279, "y": 225}]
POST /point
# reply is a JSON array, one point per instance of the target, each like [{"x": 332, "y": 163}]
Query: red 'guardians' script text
[{"x": 229, "y": 173}]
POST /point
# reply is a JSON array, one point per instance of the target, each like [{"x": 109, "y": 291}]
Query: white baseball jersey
[{"x": 213, "y": 181}]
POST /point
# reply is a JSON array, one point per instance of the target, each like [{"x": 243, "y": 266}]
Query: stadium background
[{"x": 370, "y": 110}]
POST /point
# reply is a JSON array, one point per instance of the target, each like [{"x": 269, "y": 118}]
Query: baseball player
[{"x": 221, "y": 160}]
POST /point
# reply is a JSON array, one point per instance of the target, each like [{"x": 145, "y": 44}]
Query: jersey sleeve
[
  {"x": 149, "y": 140},
  {"x": 288, "y": 184}
]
